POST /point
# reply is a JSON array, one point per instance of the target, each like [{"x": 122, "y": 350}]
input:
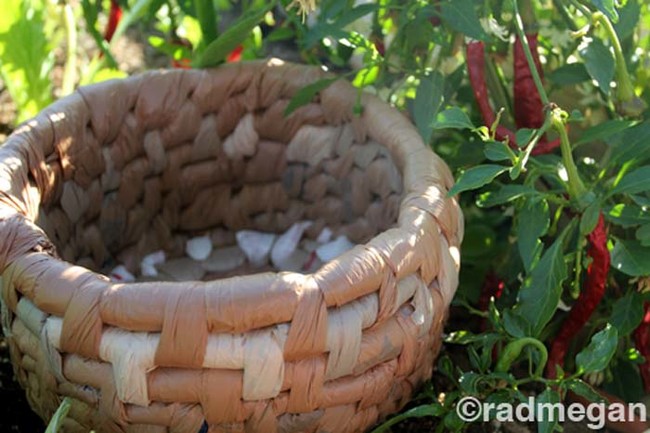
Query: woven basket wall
[{"x": 123, "y": 168}]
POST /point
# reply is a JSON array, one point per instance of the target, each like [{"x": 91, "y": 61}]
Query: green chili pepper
[{"x": 512, "y": 351}]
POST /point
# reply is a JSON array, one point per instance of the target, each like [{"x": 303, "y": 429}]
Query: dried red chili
[
  {"x": 522, "y": 90},
  {"x": 642, "y": 342},
  {"x": 529, "y": 110},
  {"x": 114, "y": 17},
  {"x": 590, "y": 297}
]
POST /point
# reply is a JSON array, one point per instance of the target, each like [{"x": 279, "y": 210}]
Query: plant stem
[
  {"x": 71, "y": 53},
  {"x": 624, "y": 88},
  {"x": 537, "y": 135},
  {"x": 207, "y": 19},
  {"x": 529, "y": 56},
  {"x": 582, "y": 8},
  {"x": 566, "y": 17},
  {"x": 575, "y": 186}
]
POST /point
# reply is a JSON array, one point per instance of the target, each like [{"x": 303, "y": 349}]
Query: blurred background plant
[{"x": 540, "y": 109}]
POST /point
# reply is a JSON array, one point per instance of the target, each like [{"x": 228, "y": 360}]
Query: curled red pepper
[
  {"x": 590, "y": 297},
  {"x": 642, "y": 342},
  {"x": 114, "y": 17},
  {"x": 528, "y": 106}
]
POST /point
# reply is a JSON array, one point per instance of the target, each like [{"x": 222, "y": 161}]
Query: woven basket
[{"x": 126, "y": 167}]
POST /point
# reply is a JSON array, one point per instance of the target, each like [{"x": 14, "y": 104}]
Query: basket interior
[{"x": 151, "y": 189}]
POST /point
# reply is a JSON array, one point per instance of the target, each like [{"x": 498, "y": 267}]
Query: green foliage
[
  {"x": 26, "y": 56},
  {"x": 530, "y": 229},
  {"x": 601, "y": 349},
  {"x": 218, "y": 49}
]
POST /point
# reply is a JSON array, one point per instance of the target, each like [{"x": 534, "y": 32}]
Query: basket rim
[{"x": 426, "y": 180}]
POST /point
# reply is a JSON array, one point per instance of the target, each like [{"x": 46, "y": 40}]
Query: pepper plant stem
[
  {"x": 625, "y": 90},
  {"x": 575, "y": 186},
  {"x": 529, "y": 56}
]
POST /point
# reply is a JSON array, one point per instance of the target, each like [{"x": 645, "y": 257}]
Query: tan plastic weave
[{"x": 123, "y": 168}]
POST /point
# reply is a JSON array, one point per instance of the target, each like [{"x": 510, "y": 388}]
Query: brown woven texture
[{"x": 126, "y": 167}]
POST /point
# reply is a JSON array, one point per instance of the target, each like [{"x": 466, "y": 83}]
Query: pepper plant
[{"x": 540, "y": 107}]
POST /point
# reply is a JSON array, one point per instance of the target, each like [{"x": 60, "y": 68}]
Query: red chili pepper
[
  {"x": 184, "y": 62},
  {"x": 476, "y": 70},
  {"x": 235, "y": 55},
  {"x": 529, "y": 111},
  {"x": 590, "y": 297},
  {"x": 114, "y": 17},
  {"x": 642, "y": 342}
]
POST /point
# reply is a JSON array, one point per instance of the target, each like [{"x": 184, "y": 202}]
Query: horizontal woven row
[{"x": 122, "y": 168}]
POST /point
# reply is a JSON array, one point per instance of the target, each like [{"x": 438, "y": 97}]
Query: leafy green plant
[{"x": 26, "y": 56}]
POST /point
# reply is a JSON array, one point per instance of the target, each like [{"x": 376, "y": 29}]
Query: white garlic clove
[
  {"x": 224, "y": 259},
  {"x": 288, "y": 242},
  {"x": 256, "y": 245},
  {"x": 332, "y": 250},
  {"x": 324, "y": 236},
  {"x": 199, "y": 248},
  {"x": 121, "y": 275}
]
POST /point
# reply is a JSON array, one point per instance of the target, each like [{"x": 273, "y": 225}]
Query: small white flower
[
  {"x": 492, "y": 27},
  {"x": 304, "y": 6}
]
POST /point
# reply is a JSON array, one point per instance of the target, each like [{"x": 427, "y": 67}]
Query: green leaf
[
  {"x": 281, "y": 34},
  {"x": 627, "y": 215},
  {"x": 634, "y": 182},
  {"x": 603, "y": 131},
  {"x": 568, "y": 75},
  {"x": 461, "y": 16},
  {"x": 643, "y": 235},
  {"x": 514, "y": 324},
  {"x": 627, "y": 313},
  {"x": 532, "y": 223},
  {"x": 607, "y": 7},
  {"x": 428, "y": 98},
  {"x": 548, "y": 402},
  {"x": 628, "y": 18},
  {"x": 218, "y": 49},
  {"x": 627, "y": 383},
  {"x": 540, "y": 294},
  {"x": 334, "y": 27},
  {"x": 634, "y": 144},
  {"x": 523, "y": 136},
  {"x": 306, "y": 94},
  {"x": 631, "y": 258},
  {"x": 434, "y": 410},
  {"x": 584, "y": 390},
  {"x": 468, "y": 382},
  {"x": 350, "y": 16},
  {"x": 601, "y": 349},
  {"x": 453, "y": 118},
  {"x": 497, "y": 151},
  {"x": 366, "y": 77},
  {"x": 453, "y": 423},
  {"x": 505, "y": 194},
  {"x": 26, "y": 56},
  {"x": 479, "y": 241},
  {"x": 589, "y": 218},
  {"x": 599, "y": 61},
  {"x": 476, "y": 177}
]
